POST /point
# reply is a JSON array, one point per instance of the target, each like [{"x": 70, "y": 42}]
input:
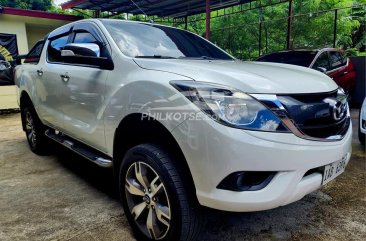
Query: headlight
[{"x": 229, "y": 106}]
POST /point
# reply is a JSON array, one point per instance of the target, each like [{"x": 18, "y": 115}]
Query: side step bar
[{"x": 80, "y": 149}]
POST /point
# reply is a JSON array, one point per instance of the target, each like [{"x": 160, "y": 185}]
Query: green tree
[{"x": 42, "y": 5}]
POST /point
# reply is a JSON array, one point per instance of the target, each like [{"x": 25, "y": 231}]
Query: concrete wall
[
  {"x": 19, "y": 29},
  {"x": 36, "y": 32},
  {"x": 28, "y": 31}
]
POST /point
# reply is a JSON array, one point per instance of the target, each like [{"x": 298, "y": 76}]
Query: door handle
[
  {"x": 65, "y": 78},
  {"x": 39, "y": 72}
]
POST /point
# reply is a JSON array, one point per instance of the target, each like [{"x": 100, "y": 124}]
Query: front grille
[
  {"x": 313, "y": 114},
  {"x": 325, "y": 131}
]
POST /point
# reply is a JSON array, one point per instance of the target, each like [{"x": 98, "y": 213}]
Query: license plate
[{"x": 333, "y": 170}]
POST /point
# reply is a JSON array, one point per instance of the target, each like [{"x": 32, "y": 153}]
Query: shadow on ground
[{"x": 65, "y": 197}]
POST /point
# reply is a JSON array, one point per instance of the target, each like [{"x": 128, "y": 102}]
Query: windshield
[
  {"x": 301, "y": 58},
  {"x": 144, "y": 40}
]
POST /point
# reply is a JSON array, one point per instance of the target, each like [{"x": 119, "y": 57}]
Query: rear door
[{"x": 84, "y": 90}]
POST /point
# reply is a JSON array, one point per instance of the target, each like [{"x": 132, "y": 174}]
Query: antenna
[{"x": 150, "y": 20}]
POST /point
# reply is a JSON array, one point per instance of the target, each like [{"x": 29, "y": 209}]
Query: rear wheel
[
  {"x": 35, "y": 131},
  {"x": 155, "y": 197}
]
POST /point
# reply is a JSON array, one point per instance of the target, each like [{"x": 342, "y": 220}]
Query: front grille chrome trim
[{"x": 274, "y": 104}]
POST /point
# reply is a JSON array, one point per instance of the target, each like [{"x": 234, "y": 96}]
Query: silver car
[{"x": 182, "y": 123}]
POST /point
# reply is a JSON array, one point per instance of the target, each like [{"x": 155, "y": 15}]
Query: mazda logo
[{"x": 337, "y": 108}]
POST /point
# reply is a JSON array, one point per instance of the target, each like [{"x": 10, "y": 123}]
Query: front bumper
[{"x": 214, "y": 151}]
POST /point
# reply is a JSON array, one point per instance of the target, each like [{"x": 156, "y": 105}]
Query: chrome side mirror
[
  {"x": 87, "y": 54},
  {"x": 321, "y": 69},
  {"x": 81, "y": 50},
  {"x": 67, "y": 53}
]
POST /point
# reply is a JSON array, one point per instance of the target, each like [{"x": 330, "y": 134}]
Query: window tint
[
  {"x": 344, "y": 58},
  {"x": 55, "y": 47},
  {"x": 35, "y": 53},
  {"x": 149, "y": 40},
  {"x": 301, "y": 58},
  {"x": 84, "y": 37},
  {"x": 336, "y": 59},
  {"x": 322, "y": 61}
]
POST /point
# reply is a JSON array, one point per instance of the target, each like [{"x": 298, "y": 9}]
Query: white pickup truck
[{"x": 182, "y": 123}]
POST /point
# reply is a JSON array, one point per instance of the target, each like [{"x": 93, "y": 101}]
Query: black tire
[
  {"x": 361, "y": 136},
  {"x": 35, "y": 131},
  {"x": 186, "y": 217}
]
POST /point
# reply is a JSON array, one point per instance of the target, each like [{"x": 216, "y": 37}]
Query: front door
[{"x": 83, "y": 97}]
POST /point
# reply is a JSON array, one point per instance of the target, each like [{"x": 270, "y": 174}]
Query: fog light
[{"x": 246, "y": 181}]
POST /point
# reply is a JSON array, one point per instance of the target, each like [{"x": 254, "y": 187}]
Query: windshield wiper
[
  {"x": 155, "y": 56},
  {"x": 201, "y": 57}
]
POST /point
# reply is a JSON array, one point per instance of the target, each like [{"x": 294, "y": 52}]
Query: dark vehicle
[
  {"x": 332, "y": 62},
  {"x": 7, "y": 68},
  {"x": 6, "y": 72}
]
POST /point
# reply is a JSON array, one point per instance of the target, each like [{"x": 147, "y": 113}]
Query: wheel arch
[
  {"x": 24, "y": 101},
  {"x": 134, "y": 130}
]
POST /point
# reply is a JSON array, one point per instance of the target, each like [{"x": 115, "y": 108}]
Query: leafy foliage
[
  {"x": 248, "y": 34},
  {"x": 43, "y": 5}
]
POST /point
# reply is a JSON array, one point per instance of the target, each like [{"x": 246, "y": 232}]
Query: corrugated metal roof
[{"x": 162, "y": 8}]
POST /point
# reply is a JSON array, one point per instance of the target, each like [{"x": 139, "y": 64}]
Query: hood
[{"x": 250, "y": 77}]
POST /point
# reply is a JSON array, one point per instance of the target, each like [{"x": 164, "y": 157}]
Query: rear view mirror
[
  {"x": 83, "y": 49},
  {"x": 85, "y": 54},
  {"x": 18, "y": 59},
  {"x": 321, "y": 69}
]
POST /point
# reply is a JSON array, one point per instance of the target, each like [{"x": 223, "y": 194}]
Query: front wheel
[{"x": 155, "y": 198}]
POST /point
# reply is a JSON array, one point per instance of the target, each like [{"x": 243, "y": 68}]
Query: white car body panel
[
  {"x": 363, "y": 116},
  {"x": 250, "y": 77},
  {"x": 93, "y": 103},
  {"x": 291, "y": 156}
]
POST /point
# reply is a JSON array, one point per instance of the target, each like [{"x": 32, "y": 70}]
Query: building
[
  {"x": 21, "y": 29},
  {"x": 29, "y": 26}
]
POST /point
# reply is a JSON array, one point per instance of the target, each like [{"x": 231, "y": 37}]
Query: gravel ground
[{"x": 64, "y": 197}]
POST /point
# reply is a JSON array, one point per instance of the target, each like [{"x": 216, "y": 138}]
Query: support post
[
  {"x": 208, "y": 19},
  {"x": 335, "y": 28},
  {"x": 185, "y": 22},
  {"x": 96, "y": 13},
  {"x": 260, "y": 39},
  {"x": 289, "y": 24}
]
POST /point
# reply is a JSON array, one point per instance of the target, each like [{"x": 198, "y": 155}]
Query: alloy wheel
[
  {"x": 30, "y": 129},
  {"x": 148, "y": 200}
]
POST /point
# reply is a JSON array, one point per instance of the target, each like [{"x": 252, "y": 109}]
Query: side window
[
  {"x": 336, "y": 60},
  {"x": 322, "y": 61},
  {"x": 55, "y": 47},
  {"x": 84, "y": 37},
  {"x": 344, "y": 58},
  {"x": 35, "y": 53}
]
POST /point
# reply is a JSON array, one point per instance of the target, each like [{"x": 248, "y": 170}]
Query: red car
[{"x": 330, "y": 61}]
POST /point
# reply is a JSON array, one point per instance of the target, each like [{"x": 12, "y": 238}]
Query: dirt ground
[{"x": 64, "y": 197}]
